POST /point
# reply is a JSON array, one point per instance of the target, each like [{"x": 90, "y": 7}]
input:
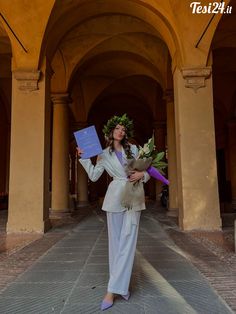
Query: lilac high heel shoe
[
  {"x": 126, "y": 296},
  {"x": 106, "y": 305}
]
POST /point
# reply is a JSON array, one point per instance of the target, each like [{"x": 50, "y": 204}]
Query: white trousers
[{"x": 122, "y": 236}]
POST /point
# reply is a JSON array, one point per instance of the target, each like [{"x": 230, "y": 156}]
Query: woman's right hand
[{"x": 79, "y": 151}]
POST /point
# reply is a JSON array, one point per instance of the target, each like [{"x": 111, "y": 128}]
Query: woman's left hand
[{"x": 136, "y": 175}]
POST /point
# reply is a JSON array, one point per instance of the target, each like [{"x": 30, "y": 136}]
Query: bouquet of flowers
[
  {"x": 149, "y": 160},
  {"x": 157, "y": 165}
]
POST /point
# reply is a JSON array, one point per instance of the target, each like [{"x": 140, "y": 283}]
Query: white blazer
[{"x": 110, "y": 163}]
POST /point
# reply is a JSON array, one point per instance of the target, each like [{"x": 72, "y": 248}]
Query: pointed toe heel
[
  {"x": 106, "y": 305},
  {"x": 126, "y": 296}
]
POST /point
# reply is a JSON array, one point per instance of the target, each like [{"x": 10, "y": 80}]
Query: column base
[
  {"x": 47, "y": 225},
  {"x": 59, "y": 214},
  {"x": 172, "y": 212},
  {"x": 228, "y": 219},
  {"x": 18, "y": 227},
  {"x": 82, "y": 204}
]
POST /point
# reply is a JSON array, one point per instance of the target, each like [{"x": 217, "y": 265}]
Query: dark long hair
[{"x": 124, "y": 142}]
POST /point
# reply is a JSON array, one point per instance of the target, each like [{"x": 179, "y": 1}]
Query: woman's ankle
[{"x": 109, "y": 296}]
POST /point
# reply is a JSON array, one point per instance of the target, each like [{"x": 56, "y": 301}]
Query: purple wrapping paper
[{"x": 153, "y": 172}]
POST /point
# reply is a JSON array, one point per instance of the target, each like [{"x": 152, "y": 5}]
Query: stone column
[
  {"x": 72, "y": 176},
  {"x": 159, "y": 136},
  {"x": 195, "y": 147},
  {"x": 60, "y": 157},
  {"x": 72, "y": 180},
  {"x": 232, "y": 159},
  {"x": 7, "y": 159},
  {"x": 29, "y": 152},
  {"x": 82, "y": 186},
  {"x": 171, "y": 145}
]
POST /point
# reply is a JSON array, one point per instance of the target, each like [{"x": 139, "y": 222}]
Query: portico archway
[
  {"x": 78, "y": 54},
  {"x": 224, "y": 81},
  {"x": 5, "y": 115}
]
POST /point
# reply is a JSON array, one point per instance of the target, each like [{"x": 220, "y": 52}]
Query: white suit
[
  {"x": 111, "y": 164},
  {"x": 122, "y": 224}
]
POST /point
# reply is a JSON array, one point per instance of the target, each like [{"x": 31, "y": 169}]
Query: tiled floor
[{"x": 71, "y": 276}]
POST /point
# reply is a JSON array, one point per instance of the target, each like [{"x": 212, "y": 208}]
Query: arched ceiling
[
  {"x": 102, "y": 51},
  {"x": 42, "y": 25},
  {"x": 5, "y": 73},
  {"x": 5, "y": 54},
  {"x": 112, "y": 33},
  {"x": 5, "y": 44},
  {"x": 67, "y": 15},
  {"x": 225, "y": 34},
  {"x": 26, "y": 20},
  {"x": 132, "y": 86},
  {"x": 117, "y": 64},
  {"x": 5, "y": 70},
  {"x": 224, "y": 66},
  {"x": 86, "y": 93},
  {"x": 106, "y": 49},
  {"x": 107, "y": 72}
]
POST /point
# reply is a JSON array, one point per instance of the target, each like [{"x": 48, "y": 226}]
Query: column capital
[
  {"x": 27, "y": 79},
  {"x": 168, "y": 95},
  {"x": 61, "y": 98},
  {"x": 195, "y": 77}
]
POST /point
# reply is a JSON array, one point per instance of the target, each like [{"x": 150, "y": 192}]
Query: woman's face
[{"x": 119, "y": 133}]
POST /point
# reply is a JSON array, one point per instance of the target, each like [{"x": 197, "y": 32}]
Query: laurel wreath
[{"x": 121, "y": 120}]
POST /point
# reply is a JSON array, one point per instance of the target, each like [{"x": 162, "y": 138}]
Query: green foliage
[
  {"x": 149, "y": 150},
  {"x": 122, "y": 120},
  {"x": 151, "y": 144}
]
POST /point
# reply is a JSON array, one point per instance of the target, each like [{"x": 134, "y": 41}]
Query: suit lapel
[
  {"x": 124, "y": 157},
  {"x": 116, "y": 162}
]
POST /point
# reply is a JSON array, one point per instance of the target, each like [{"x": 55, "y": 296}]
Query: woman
[{"x": 122, "y": 223}]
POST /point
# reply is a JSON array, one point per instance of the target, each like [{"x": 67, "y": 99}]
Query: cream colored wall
[
  {"x": 189, "y": 28},
  {"x": 28, "y": 19}
]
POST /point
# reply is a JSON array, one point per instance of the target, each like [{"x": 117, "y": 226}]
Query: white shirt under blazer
[{"x": 109, "y": 162}]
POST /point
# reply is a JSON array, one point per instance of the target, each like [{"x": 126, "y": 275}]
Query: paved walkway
[{"x": 71, "y": 276}]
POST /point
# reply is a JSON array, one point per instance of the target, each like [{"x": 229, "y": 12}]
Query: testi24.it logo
[{"x": 211, "y": 7}]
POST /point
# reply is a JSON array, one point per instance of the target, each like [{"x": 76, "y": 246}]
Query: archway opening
[
  {"x": 117, "y": 100},
  {"x": 224, "y": 82},
  {"x": 112, "y": 60},
  {"x": 5, "y": 117}
]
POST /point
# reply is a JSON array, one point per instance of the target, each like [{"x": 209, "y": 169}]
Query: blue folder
[{"x": 87, "y": 140}]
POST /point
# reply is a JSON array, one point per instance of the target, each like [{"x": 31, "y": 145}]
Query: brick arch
[{"x": 65, "y": 18}]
